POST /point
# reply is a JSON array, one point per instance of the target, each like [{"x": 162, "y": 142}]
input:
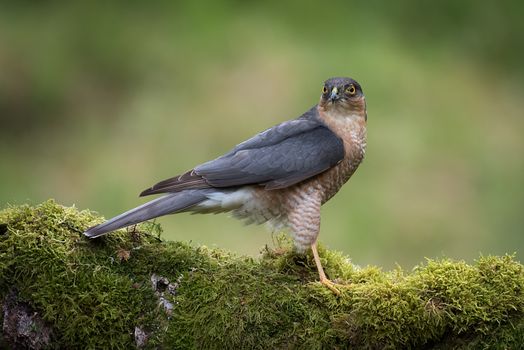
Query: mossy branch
[{"x": 131, "y": 289}]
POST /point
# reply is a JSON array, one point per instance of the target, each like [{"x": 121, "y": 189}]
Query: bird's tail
[{"x": 168, "y": 204}]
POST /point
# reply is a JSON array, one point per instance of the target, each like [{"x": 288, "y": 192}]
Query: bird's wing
[{"x": 276, "y": 158}]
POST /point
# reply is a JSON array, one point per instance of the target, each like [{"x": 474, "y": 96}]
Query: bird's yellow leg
[{"x": 323, "y": 279}]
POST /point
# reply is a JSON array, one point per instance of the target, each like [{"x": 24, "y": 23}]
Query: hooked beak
[{"x": 334, "y": 94}]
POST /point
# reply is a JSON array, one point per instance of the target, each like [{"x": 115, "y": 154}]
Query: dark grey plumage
[
  {"x": 276, "y": 158},
  {"x": 169, "y": 204},
  {"x": 279, "y": 164}
]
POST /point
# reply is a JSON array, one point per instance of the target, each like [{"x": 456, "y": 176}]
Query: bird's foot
[
  {"x": 331, "y": 285},
  {"x": 323, "y": 279}
]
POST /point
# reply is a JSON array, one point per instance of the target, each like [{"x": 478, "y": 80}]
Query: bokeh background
[{"x": 99, "y": 101}]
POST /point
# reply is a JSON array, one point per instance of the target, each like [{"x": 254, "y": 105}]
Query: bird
[{"x": 281, "y": 176}]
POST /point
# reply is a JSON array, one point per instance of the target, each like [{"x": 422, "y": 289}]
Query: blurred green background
[{"x": 99, "y": 101}]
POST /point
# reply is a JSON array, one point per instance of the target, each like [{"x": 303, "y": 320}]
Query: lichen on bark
[{"x": 132, "y": 289}]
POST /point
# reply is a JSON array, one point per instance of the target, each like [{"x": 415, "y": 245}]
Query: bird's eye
[
  {"x": 324, "y": 90},
  {"x": 351, "y": 90}
]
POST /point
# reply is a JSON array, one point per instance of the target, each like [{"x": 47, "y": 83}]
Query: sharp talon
[{"x": 330, "y": 285}]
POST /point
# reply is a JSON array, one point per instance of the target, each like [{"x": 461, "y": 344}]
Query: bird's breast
[
  {"x": 352, "y": 130},
  {"x": 330, "y": 181}
]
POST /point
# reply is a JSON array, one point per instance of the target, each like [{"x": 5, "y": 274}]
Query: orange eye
[
  {"x": 325, "y": 90},
  {"x": 351, "y": 89}
]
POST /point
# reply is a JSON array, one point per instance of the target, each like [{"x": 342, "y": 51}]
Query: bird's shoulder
[{"x": 308, "y": 121}]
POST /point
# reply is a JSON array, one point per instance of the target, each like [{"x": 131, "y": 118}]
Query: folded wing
[{"x": 279, "y": 157}]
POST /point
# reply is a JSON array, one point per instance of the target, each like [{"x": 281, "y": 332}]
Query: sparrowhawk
[{"x": 281, "y": 176}]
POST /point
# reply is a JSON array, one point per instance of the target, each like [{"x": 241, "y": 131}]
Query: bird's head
[{"x": 342, "y": 95}]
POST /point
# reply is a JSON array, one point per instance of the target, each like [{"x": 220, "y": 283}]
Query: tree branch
[{"x": 130, "y": 289}]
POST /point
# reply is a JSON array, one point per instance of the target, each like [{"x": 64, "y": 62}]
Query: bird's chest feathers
[{"x": 352, "y": 130}]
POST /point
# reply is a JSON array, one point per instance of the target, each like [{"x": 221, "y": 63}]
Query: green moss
[{"x": 94, "y": 293}]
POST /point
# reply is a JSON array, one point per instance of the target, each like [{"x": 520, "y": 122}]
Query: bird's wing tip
[{"x": 146, "y": 192}]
